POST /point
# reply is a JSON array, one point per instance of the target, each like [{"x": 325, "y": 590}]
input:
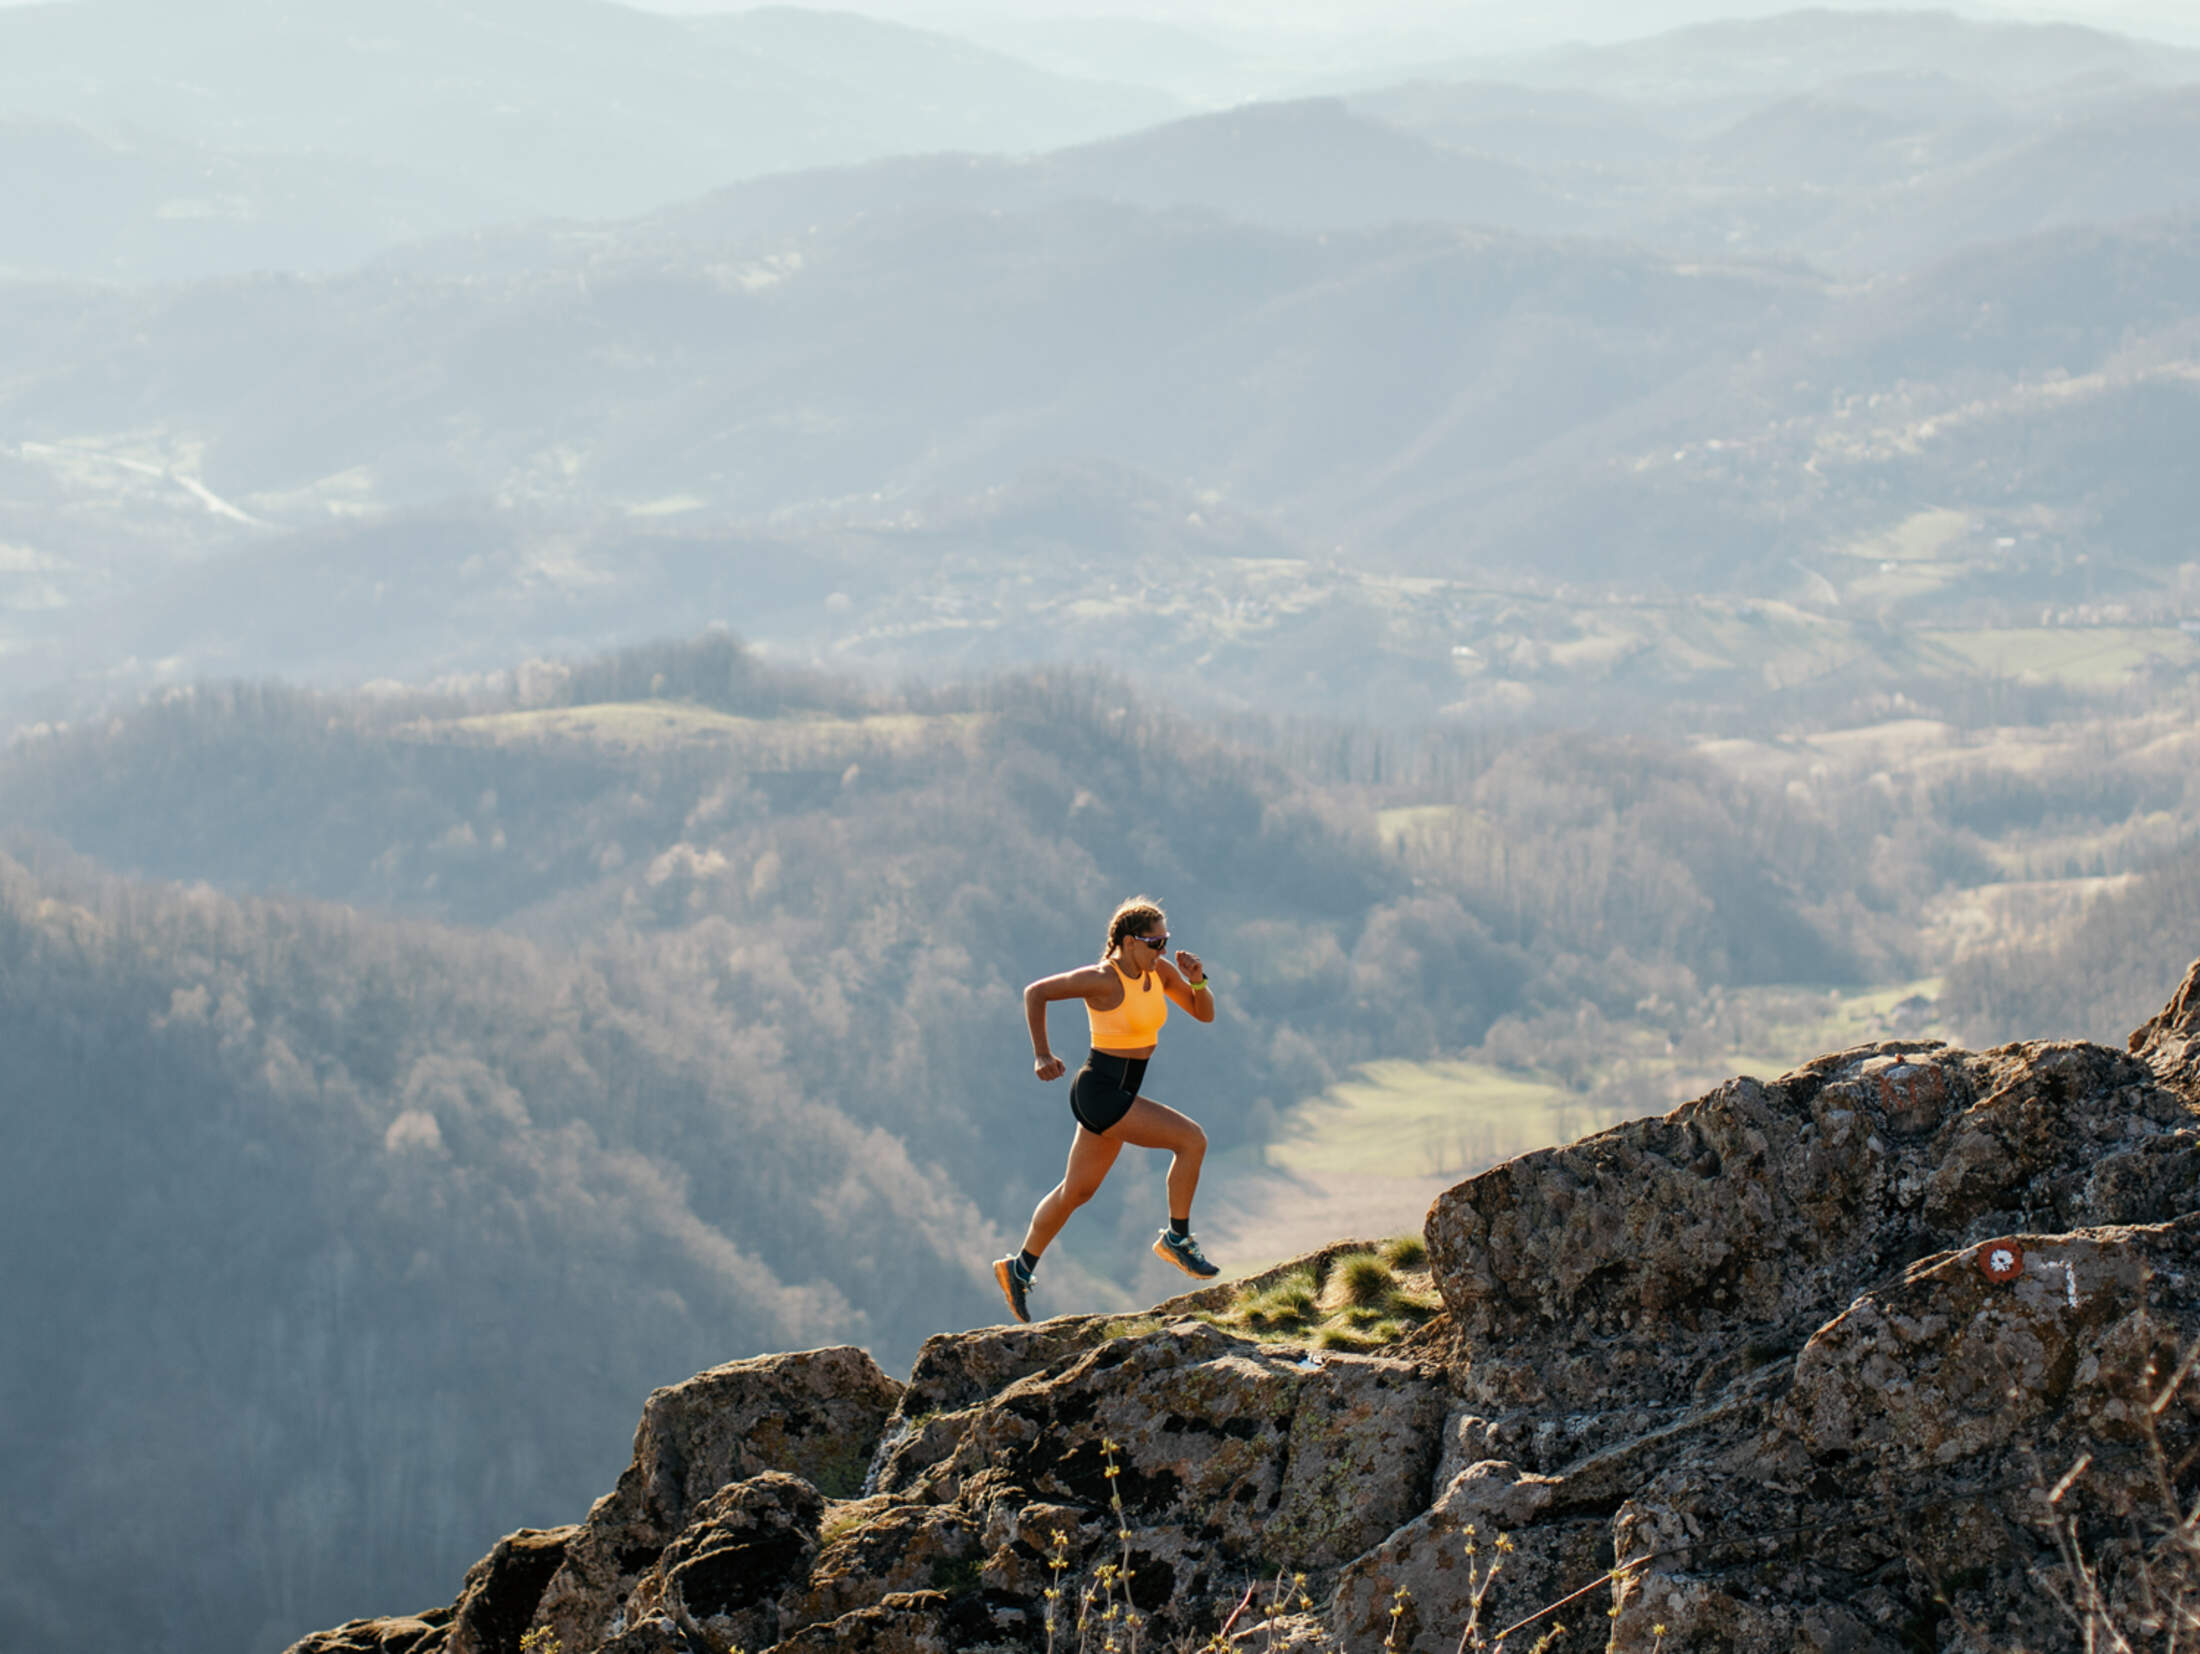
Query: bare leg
[
  {"x": 1090, "y": 1156},
  {"x": 1152, "y": 1125}
]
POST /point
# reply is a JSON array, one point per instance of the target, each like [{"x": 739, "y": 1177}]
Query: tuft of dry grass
[
  {"x": 1291, "y": 1305},
  {"x": 1406, "y": 1252},
  {"x": 1358, "y": 1301},
  {"x": 1360, "y": 1280}
]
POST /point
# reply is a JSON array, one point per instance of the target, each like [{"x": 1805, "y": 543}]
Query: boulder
[
  {"x": 1230, "y": 1460},
  {"x": 722, "y": 1578},
  {"x": 883, "y": 1548},
  {"x": 1175, "y": 1465},
  {"x": 1489, "y": 1554},
  {"x": 1651, "y": 1265},
  {"x": 1913, "y": 1456},
  {"x": 955, "y": 1371},
  {"x": 2169, "y": 1041},
  {"x": 816, "y": 1415},
  {"x": 1706, "y": 1325},
  {"x": 497, "y": 1603}
]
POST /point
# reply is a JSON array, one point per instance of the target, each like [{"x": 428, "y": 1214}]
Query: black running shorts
[{"x": 1104, "y": 1089}]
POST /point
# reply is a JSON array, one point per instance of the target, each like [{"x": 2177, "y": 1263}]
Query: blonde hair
[{"x": 1134, "y": 915}]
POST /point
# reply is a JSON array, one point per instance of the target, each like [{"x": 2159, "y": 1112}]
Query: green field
[
  {"x": 1395, "y": 827},
  {"x": 807, "y": 739},
  {"x": 1452, "y": 1118},
  {"x": 1421, "y": 1119},
  {"x": 1922, "y": 537},
  {"x": 2096, "y": 657}
]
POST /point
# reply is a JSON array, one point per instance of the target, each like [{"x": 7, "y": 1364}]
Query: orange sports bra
[{"x": 1136, "y": 1023}]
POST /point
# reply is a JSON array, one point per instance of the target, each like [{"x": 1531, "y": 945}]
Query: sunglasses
[{"x": 1157, "y": 943}]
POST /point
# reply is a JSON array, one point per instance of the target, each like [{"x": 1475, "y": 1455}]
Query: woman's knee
[
  {"x": 1194, "y": 1144},
  {"x": 1076, "y": 1194}
]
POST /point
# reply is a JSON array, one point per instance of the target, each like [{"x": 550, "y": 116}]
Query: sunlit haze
[{"x": 599, "y": 604}]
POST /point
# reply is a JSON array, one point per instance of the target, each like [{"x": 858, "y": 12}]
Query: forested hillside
[
  {"x": 310, "y": 1209},
  {"x": 2089, "y": 979}
]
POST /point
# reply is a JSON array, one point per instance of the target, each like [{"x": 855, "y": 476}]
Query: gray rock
[
  {"x": 816, "y": 1415},
  {"x": 1655, "y": 1263},
  {"x": 2169, "y": 1041},
  {"x": 1490, "y": 1553},
  {"x": 956, "y": 1372},
  {"x": 1220, "y": 1436},
  {"x": 502, "y": 1591},
  {"x": 1911, "y": 1451},
  {"x": 887, "y": 1548},
  {"x": 721, "y": 1580}
]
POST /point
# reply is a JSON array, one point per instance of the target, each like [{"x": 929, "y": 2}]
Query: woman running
[{"x": 1127, "y": 997}]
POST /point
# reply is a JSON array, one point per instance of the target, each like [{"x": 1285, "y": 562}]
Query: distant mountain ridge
[
  {"x": 1341, "y": 379},
  {"x": 131, "y": 207},
  {"x": 1424, "y": 334},
  {"x": 1798, "y": 50},
  {"x": 367, "y": 127},
  {"x": 1312, "y": 165},
  {"x": 566, "y": 107}
]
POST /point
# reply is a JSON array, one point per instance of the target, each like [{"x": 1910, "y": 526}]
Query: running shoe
[
  {"x": 1014, "y": 1283},
  {"x": 1185, "y": 1254}
]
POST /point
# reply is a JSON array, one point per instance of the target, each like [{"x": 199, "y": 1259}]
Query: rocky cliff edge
[{"x": 1859, "y": 1359}]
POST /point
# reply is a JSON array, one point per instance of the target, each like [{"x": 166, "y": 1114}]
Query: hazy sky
[
  {"x": 1431, "y": 14},
  {"x": 1491, "y": 22},
  {"x": 1346, "y": 14},
  {"x": 1469, "y": 23}
]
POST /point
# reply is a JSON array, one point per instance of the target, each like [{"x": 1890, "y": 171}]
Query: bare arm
[
  {"x": 1077, "y": 984},
  {"x": 1177, "y": 980}
]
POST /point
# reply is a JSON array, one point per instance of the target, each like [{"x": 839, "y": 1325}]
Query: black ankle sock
[
  {"x": 1180, "y": 1227},
  {"x": 1026, "y": 1262}
]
